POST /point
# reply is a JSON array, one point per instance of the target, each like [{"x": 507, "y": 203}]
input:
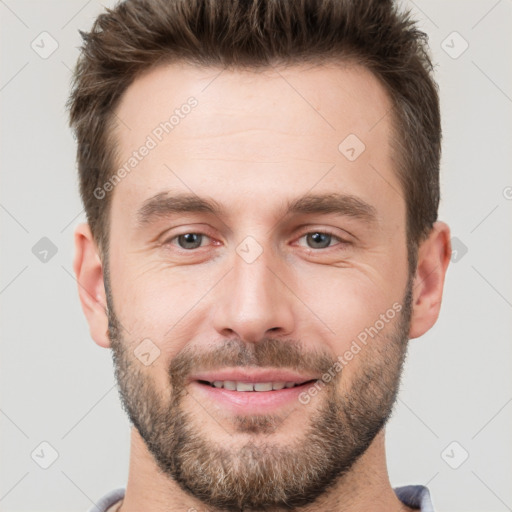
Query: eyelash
[
  {"x": 341, "y": 241},
  {"x": 333, "y": 236}
]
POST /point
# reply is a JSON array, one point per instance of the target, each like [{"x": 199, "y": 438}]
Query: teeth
[
  {"x": 244, "y": 386},
  {"x": 250, "y": 386},
  {"x": 263, "y": 386}
]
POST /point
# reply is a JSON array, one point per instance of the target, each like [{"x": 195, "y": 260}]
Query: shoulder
[
  {"x": 416, "y": 496},
  {"x": 108, "y": 500}
]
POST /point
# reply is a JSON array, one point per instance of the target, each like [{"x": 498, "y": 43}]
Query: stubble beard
[{"x": 262, "y": 474}]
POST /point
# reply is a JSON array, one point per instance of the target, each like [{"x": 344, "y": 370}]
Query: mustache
[{"x": 232, "y": 353}]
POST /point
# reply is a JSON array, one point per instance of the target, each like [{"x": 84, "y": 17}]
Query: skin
[{"x": 255, "y": 141}]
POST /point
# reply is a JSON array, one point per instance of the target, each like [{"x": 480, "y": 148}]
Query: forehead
[
  {"x": 218, "y": 130},
  {"x": 328, "y": 98}
]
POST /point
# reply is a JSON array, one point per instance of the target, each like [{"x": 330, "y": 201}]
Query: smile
[{"x": 253, "y": 386}]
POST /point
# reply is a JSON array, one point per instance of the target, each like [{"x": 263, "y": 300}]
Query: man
[{"x": 261, "y": 182}]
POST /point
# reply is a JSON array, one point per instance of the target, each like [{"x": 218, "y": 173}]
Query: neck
[{"x": 364, "y": 487}]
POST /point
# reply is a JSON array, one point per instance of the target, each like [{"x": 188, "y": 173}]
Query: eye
[
  {"x": 319, "y": 239},
  {"x": 188, "y": 241}
]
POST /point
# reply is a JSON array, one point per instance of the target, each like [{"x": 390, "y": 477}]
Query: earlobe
[
  {"x": 433, "y": 258},
  {"x": 88, "y": 270}
]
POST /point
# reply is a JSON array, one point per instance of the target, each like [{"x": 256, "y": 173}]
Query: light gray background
[{"x": 58, "y": 386}]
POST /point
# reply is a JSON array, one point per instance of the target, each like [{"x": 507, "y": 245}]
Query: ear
[
  {"x": 433, "y": 258},
  {"x": 91, "y": 290}
]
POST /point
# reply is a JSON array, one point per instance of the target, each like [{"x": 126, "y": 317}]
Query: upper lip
[{"x": 248, "y": 375}]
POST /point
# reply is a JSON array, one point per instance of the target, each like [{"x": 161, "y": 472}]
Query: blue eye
[
  {"x": 318, "y": 240},
  {"x": 189, "y": 240},
  {"x": 314, "y": 240}
]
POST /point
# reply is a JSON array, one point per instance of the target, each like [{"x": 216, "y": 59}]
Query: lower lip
[{"x": 251, "y": 402}]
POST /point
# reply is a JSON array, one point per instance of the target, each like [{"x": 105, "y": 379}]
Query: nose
[{"x": 255, "y": 301}]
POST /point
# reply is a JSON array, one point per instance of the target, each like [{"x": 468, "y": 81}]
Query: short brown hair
[{"x": 139, "y": 34}]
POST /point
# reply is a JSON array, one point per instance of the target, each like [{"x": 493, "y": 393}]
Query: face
[{"x": 258, "y": 290}]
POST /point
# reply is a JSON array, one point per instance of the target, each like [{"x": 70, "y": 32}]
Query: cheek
[
  {"x": 350, "y": 301},
  {"x": 158, "y": 302}
]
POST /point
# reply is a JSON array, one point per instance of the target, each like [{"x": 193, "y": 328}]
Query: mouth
[
  {"x": 251, "y": 392},
  {"x": 241, "y": 386}
]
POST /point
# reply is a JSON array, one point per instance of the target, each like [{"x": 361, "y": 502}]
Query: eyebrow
[
  {"x": 163, "y": 205},
  {"x": 340, "y": 204}
]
